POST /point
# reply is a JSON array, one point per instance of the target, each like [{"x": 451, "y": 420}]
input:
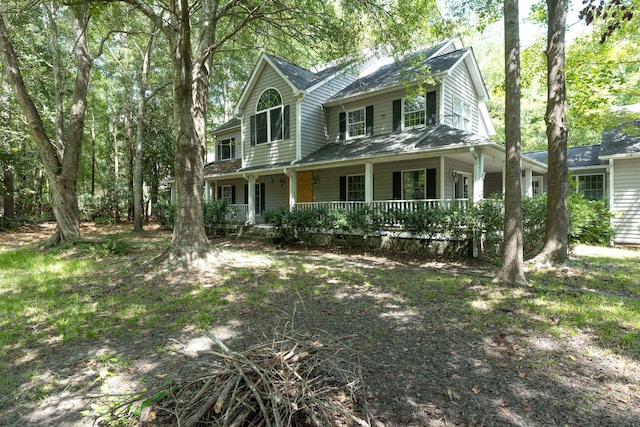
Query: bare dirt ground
[{"x": 420, "y": 364}]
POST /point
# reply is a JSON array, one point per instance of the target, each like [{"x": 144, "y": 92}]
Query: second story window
[
  {"x": 356, "y": 123},
  {"x": 461, "y": 114},
  {"x": 226, "y": 149},
  {"x": 271, "y": 121},
  {"x": 414, "y": 111}
]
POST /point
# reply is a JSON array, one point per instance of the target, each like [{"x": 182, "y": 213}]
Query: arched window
[{"x": 271, "y": 121}]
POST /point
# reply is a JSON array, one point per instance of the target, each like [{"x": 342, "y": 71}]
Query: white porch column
[
  {"x": 443, "y": 179},
  {"x": 478, "y": 175},
  {"x": 207, "y": 191},
  {"x": 251, "y": 209},
  {"x": 528, "y": 183},
  {"x": 368, "y": 183},
  {"x": 293, "y": 188}
]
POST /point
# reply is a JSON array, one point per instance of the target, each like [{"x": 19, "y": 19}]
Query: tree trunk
[
  {"x": 512, "y": 270},
  {"x": 61, "y": 163},
  {"x": 8, "y": 201},
  {"x": 189, "y": 241},
  {"x": 138, "y": 156},
  {"x": 556, "y": 239}
]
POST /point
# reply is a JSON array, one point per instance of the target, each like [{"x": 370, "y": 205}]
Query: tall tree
[
  {"x": 512, "y": 270},
  {"x": 556, "y": 238},
  {"x": 60, "y": 153}
]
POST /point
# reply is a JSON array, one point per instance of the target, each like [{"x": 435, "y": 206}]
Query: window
[
  {"x": 414, "y": 111},
  {"x": 461, "y": 184},
  {"x": 355, "y": 188},
  {"x": 226, "y": 193},
  {"x": 536, "y": 185},
  {"x": 270, "y": 118},
  {"x": 356, "y": 124},
  {"x": 226, "y": 149},
  {"x": 591, "y": 186},
  {"x": 414, "y": 184},
  {"x": 461, "y": 114}
]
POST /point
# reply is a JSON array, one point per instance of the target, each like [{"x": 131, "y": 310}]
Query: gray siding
[
  {"x": 271, "y": 152},
  {"x": 459, "y": 84},
  {"x": 228, "y": 134},
  {"x": 314, "y": 126},
  {"x": 382, "y": 112},
  {"x": 626, "y": 200}
]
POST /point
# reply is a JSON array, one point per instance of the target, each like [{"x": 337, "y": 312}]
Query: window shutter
[
  {"x": 431, "y": 184},
  {"x": 343, "y": 188},
  {"x": 252, "y": 120},
  {"x": 432, "y": 108},
  {"x": 397, "y": 186},
  {"x": 286, "y": 133},
  {"x": 397, "y": 114},
  {"x": 368, "y": 117},
  {"x": 343, "y": 125},
  {"x": 246, "y": 194},
  {"x": 233, "y": 194},
  {"x": 219, "y": 192},
  {"x": 276, "y": 124},
  {"x": 263, "y": 199}
]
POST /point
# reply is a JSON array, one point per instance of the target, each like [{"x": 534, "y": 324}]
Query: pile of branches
[{"x": 287, "y": 382}]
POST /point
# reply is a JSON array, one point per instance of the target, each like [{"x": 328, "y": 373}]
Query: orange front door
[{"x": 304, "y": 192}]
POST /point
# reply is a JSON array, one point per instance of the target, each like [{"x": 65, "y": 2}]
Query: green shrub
[
  {"x": 589, "y": 221},
  {"x": 165, "y": 213},
  {"x": 217, "y": 217}
]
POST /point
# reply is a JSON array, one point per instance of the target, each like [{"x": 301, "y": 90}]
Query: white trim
[
  {"x": 251, "y": 83},
  {"x": 364, "y": 122}
]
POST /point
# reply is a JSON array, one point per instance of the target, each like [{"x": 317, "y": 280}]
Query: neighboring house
[
  {"x": 611, "y": 172},
  {"x": 388, "y": 134}
]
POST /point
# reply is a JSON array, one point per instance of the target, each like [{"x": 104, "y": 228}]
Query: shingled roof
[
  {"x": 623, "y": 140},
  {"x": 577, "y": 157},
  {"x": 302, "y": 78},
  {"x": 407, "y": 142},
  {"x": 411, "y": 68},
  {"x": 233, "y": 123},
  {"x": 222, "y": 167}
]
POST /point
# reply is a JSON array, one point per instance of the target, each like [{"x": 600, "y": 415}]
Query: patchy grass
[{"x": 104, "y": 292}]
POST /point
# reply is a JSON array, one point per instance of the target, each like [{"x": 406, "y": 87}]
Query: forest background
[{"x": 600, "y": 78}]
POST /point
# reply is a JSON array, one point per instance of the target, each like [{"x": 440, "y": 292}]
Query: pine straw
[{"x": 286, "y": 382}]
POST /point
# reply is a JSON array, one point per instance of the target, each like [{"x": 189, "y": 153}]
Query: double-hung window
[
  {"x": 356, "y": 123},
  {"x": 226, "y": 149},
  {"x": 226, "y": 193},
  {"x": 461, "y": 114},
  {"x": 414, "y": 184},
  {"x": 355, "y": 188},
  {"x": 591, "y": 186},
  {"x": 414, "y": 111},
  {"x": 269, "y": 119}
]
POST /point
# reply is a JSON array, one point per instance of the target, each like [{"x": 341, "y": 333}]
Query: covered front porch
[{"x": 461, "y": 176}]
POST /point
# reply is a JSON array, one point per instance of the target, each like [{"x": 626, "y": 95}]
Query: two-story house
[{"x": 380, "y": 132}]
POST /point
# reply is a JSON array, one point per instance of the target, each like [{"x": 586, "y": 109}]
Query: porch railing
[
  {"x": 241, "y": 213},
  {"x": 387, "y": 205}
]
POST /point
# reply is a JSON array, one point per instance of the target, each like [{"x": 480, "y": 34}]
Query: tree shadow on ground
[{"x": 435, "y": 346}]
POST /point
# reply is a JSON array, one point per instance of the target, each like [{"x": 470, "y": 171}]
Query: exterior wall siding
[
  {"x": 459, "y": 84},
  {"x": 626, "y": 199},
  {"x": 382, "y": 112},
  {"x": 270, "y": 152},
  {"x": 228, "y": 134},
  {"x": 314, "y": 124},
  {"x": 328, "y": 188}
]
